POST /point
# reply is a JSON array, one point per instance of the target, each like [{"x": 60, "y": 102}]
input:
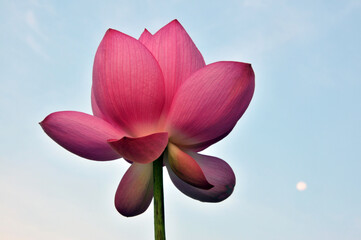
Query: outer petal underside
[
  {"x": 176, "y": 54},
  {"x": 128, "y": 83},
  {"x": 208, "y": 105},
  {"x": 143, "y": 149},
  {"x": 82, "y": 134},
  {"x": 217, "y": 172},
  {"x": 135, "y": 190}
]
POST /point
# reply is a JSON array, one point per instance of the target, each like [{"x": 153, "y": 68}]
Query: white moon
[{"x": 301, "y": 186}]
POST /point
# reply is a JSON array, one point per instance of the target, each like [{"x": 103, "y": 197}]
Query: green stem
[{"x": 159, "y": 229}]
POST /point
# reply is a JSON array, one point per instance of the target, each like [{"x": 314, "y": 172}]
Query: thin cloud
[
  {"x": 255, "y": 3},
  {"x": 31, "y": 21},
  {"x": 35, "y": 46},
  {"x": 36, "y": 37}
]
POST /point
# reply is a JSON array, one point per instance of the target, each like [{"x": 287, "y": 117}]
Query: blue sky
[{"x": 303, "y": 124}]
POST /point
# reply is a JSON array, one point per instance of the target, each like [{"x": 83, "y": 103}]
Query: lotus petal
[
  {"x": 186, "y": 168},
  {"x": 82, "y": 134},
  {"x": 143, "y": 149},
  {"x": 208, "y": 105},
  {"x": 135, "y": 190},
  {"x": 128, "y": 84},
  {"x": 217, "y": 172},
  {"x": 145, "y": 37},
  {"x": 176, "y": 54}
]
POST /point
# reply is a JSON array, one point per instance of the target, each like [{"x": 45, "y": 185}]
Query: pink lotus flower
[{"x": 152, "y": 96}]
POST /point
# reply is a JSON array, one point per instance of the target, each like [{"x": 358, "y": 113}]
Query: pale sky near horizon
[{"x": 303, "y": 124}]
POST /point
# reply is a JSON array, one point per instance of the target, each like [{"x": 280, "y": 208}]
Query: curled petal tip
[
  {"x": 146, "y": 30},
  {"x": 145, "y": 37},
  {"x": 113, "y": 33},
  {"x": 175, "y": 22},
  {"x": 144, "y": 149},
  {"x": 111, "y": 30}
]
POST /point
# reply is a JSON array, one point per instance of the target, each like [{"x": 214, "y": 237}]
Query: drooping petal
[
  {"x": 135, "y": 190},
  {"x": 82, "y": 134},
  {"x": 217, "y": 172},
  {"x": 176, "y": 54},
  {"x": 128, "y": 83},
  {"x": 208, "y": 105},
  {"x": 145, "y": 37},
  {"x": 143, "y": 149},
  {"x": 186, "y": 168}
]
